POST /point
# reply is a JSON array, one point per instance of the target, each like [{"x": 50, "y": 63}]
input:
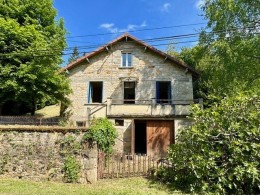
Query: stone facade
[
  {"x": 38, "y": 155},
  {"x": 148, "y": 68}
]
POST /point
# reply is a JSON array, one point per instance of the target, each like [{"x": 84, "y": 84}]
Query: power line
[
  {"x": 62, "y": 53},
  {"x": 143, "y": 40},
  {"x": 145, "y": 29},
  {"x": 182, "y": 42},
  {"x": 182, "y": 36}
]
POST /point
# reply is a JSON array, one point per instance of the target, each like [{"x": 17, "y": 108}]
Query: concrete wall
[
  {"x": 179, "y": 124},
  {"x": 157, "y": 110},
  {"x": 35, "y": 155},
  {"x": 147, "y": 69}
]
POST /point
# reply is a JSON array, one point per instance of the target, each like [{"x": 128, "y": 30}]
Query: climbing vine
[
  {"x": 70, "y": 147},
  {"x": 71, "y": 169},
  {"x": 103, "y": 133}
]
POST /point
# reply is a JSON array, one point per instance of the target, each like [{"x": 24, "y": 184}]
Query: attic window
[{"x": 126, "y": 60}]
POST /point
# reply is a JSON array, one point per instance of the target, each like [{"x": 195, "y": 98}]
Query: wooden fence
[
  {"x": 127, "y": 165},
  {"x": 29, "y": 120}
]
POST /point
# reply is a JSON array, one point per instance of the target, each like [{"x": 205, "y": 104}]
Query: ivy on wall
[
  {"x": 103, "y": 133},
  {"x": 69, "y": 148}
]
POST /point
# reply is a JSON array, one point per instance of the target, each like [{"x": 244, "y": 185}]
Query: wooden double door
[{"x": 152, "y": 137}]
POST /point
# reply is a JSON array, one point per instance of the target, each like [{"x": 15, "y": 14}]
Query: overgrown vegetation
[
  {"x": 220, "y": 152},
  {"x": 103, "y": 133},
  {"x": 71, "y": 169},
  {"x": 70, "y": 147}
]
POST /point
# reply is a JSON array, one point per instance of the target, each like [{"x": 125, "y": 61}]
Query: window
[
  {"x": 163, "y": 92},
  {"x": 126, "y": 60},
  {"x": 119, "y": 122},
  {"x": 81, "y": 123},
  {"x": 129, "y": 92},
  {"x": 95, "y": 92}
]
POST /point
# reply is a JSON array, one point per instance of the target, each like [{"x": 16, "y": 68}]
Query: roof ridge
[{"x": 126, "y": 34}]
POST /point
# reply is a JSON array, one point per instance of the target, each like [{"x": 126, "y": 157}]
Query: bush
[
  {"x": 103, "y": 133},
  {"x": 71, "y": 169},
  {"x": 220, "y": 152},
  {"x": 70, "y": 148}
]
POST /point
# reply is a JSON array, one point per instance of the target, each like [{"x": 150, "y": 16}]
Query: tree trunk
[{"x": 33, "y": 107}]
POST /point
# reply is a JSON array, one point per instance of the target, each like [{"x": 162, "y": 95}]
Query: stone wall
[{"x": 39, "y": 154}]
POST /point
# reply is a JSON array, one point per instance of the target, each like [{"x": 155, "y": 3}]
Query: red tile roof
[{"x": 130, "y": 37}]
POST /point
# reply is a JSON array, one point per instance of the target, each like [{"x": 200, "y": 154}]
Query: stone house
[{"x": 143, "y": 91}]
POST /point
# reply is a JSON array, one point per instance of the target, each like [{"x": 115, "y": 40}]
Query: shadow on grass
[{"x": 163, "y": 185}]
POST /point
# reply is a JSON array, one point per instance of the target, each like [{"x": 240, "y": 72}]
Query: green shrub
[
  {"x": 71, "y": 169},
  {"x": 220, "y": 152},
  {"x": 103, "y": 133}
]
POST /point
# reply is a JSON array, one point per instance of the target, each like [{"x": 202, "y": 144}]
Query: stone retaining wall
[{"x": 39, "y": 154}]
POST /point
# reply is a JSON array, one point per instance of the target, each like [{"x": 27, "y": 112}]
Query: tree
[
  {"x": 31, "y": 45},
  {"x": 171, "y": 50},
  {"x": 228, "y": 51},
  {"x": 74, "y": 55},
  {"x": 220, "y": 152}
]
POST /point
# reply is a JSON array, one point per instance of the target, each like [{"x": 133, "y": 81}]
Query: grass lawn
[
  {"x": 49, "y": 111},
  {"x": 115, "y": 186}
]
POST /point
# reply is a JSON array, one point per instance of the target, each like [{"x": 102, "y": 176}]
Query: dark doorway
[
  {"x": 163, "y": 92},
  {"x": 140, "y": 137},
  {"x": 129, "y": 92},
  {"x": 95, "y": 92}
]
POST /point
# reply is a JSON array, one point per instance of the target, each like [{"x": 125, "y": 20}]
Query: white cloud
[
  {"x": 199, "y": 3},
  {"x": 107, "y": 25},
  {"x": 110, "y": 27},
  {"x": 165, "y": 7}
]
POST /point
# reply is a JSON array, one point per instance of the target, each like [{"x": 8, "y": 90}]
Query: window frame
[
  {"x": 169, "y": 91},
  {"x": 129, "y": 101},
  {"x": 126, "y": 60},
  {"x": 90, "y": 92}
]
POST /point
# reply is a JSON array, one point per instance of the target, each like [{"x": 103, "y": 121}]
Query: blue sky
[{"x": 112, "y": 18}]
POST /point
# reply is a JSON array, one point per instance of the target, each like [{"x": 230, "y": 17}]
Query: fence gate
[{"x": 126, "y": 165}]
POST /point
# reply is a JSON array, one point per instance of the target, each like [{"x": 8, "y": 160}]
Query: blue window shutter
[{"x": 89, "y": 93}]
